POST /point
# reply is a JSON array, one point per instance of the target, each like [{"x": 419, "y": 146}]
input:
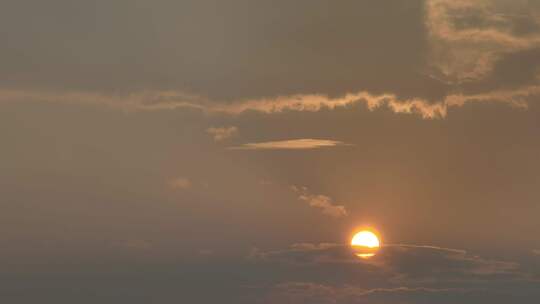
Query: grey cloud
[
  {"x": 307, "y": 254},
  {"x": 331, "y": 273},
  {"x": 467, "y": 38},
  {"x": 399, "y": 261},
  {"x": 424, "y": 261},
  {"x": 233, "y": 61},
  {"x": 227, "y": 50}
]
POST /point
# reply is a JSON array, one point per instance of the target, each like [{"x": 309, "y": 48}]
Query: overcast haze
[{"x": 225, "y": 151}]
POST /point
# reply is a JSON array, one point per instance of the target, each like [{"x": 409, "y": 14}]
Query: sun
[
  {"x": 367, "y": 239},
  {"x": 365, "y": 244}
]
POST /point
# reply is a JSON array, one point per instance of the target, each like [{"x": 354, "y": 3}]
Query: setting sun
[
  {"x": 366, "y": 239},
  {"x": 365, "y": 243}
]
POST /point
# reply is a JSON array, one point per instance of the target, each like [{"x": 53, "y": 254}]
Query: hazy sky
[{"x": 205, "y": 151}]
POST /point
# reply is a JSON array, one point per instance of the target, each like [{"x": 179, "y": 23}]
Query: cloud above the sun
[
  {"x": 465, "y": 42},
  {"x": 170, "y": 100},
  {"x": 468, "y": 38},
  {"x": 322, "y": 202},
  {"x": 290, "y": 144}
]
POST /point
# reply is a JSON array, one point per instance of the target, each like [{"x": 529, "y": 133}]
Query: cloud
[
  {"x": 180, "y": 183},
  {"x": 307, "y": 254},
  {"x": 322, "y": 202},
  {"x": 309, "y": 292},
  {"x": 293, "y": 144},
  {"x": 398, "y": 273},
  {"x": 133, "y": 101},
  {"x": 402, "y": 273},
  {"x": 170, "y": 100},
  {"x": 222, "y": 133},
  {"x": 396, "y": 261},
  {"x": 450, "y": 263},
  {"x": 426, "y": 109},
  {"x": 467, "y": 38}
]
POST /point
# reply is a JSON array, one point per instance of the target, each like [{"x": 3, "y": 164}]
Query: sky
[{"x": 205, "y": 151}]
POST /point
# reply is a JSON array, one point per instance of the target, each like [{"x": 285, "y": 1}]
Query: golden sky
[{"x": 205, "y": 151}]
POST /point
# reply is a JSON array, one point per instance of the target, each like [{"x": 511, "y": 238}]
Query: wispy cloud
[
  {"x": 468, "y": 37},
  {"x": 323, "y": 202},
  {"x": 170, "y": 100},
  {"x": 222, "y": 133},
  {"x": 292, "y": 144}
]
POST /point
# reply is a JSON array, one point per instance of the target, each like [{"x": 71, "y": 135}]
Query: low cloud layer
[
  {"x": 306, "y": 292},
  {"x": 399, "y": 261},
  {"x": 399, "y": 272}
]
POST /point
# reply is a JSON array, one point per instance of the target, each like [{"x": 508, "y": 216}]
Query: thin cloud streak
[{"x": 293, "y": 144}]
